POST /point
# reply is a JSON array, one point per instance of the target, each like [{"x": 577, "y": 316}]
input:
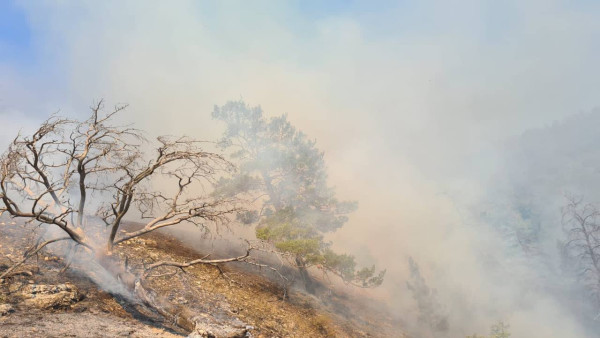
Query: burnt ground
[{"x": 225, "y": 297}]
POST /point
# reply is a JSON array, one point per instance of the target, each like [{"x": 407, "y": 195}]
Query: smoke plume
[{"x": 450, "y": 124}]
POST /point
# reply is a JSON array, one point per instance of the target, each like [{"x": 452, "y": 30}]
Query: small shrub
[{"x": 323, "y": 324}]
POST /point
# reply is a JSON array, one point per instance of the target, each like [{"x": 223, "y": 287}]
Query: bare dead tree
[
  {"x": 581, "y": 224},
  {"x": 84, "y": 178}
]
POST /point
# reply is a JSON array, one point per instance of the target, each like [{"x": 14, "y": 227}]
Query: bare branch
[
  {"x": 28, "y": 254},
  {"x": 197, "y": 261}
]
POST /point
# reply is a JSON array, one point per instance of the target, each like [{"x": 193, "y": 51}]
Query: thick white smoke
[{"x": 412, "y": 103}]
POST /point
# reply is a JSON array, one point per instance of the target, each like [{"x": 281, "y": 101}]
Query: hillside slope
[{"x": 226, "y": 299}]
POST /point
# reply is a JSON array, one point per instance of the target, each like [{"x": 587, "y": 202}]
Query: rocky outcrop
[
  {"x": 209, "y": 328},
  {"x": 43, "y": 296}
]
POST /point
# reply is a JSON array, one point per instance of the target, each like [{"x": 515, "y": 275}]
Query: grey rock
[{"x": 51, "y": 296}]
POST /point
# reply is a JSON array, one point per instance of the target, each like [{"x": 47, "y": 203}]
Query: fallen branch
[
  {"x": 197, "y": 261},
  {"x": 28, "y": 254}
]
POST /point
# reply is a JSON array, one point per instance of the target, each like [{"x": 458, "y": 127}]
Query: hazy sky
[{"x": 409, "y": 99}]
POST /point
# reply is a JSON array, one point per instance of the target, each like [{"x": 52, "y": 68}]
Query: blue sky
[
  {"x": 491, "y": 21},
  {"x": 15, "y": 34},
  {"x": 379, "y": 19}
]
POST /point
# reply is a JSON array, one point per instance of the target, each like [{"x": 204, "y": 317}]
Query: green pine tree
[{"x": 283, "y": 169}]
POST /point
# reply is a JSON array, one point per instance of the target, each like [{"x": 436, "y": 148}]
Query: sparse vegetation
[
  {"x": 498, "y": 330},
  {"x": 323, "y": 324}
]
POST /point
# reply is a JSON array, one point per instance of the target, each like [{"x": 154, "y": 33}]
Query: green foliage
[
  {"x": 284, "y": 225},
  {"x": 303, "y": 247},
  {"x": 498, "y": 330},
  {"x": 343, "y": 263},
  {"x": 280, "y": 163},
  {"x": 234, "y": 185},
  {"x": 369, "y": 277}
]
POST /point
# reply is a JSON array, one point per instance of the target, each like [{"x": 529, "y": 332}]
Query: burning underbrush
[{"x": 43, "y": 296}]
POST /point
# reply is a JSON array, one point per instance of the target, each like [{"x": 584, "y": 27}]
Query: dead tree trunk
[
  {"x": 136, "y": 285},
  {"x": 582, "y": 225}
]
